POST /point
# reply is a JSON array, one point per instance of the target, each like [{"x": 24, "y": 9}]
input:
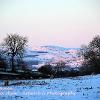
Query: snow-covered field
[{"x": 76, "y": 88}]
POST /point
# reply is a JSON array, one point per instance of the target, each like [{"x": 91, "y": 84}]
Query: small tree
[{"x": 14, "y": 46}]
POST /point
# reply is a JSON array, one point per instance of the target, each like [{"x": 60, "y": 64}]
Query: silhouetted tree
[
  {"x": 91, "y": 54},
  {"x": 14, "y": 46}
]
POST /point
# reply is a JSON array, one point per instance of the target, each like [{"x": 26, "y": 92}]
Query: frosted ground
[{"x": 81, "y": 88}]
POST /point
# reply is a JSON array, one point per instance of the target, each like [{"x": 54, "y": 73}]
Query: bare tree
[
  {"x": 91, "y": 54},
  {"x": 14, "y": 47}
]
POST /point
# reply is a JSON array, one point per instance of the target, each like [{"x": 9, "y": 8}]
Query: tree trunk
[
  {"x": 6, "y": 82},
  {"x": 12, "y": 63}
]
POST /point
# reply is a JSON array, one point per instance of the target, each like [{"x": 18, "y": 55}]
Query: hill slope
[{"x": 53, "y": 54}]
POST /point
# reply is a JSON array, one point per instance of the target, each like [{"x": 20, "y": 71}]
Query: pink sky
[{"x": 68, "y": 23}]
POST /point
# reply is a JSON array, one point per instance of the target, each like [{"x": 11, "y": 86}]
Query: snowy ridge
[{"x": 53, "y": 54}]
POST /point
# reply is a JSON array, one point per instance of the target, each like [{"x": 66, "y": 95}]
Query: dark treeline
[
  {"x": 59, "y": 70},
  {"x": 11, "y": 60}
]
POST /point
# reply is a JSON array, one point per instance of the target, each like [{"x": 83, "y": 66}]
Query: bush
[{"x": 46, "y": 69}]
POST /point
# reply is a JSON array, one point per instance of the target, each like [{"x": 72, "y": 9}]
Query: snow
[
  {"x": 53, "y": 54},
  {"x": 72, "y": 88}
]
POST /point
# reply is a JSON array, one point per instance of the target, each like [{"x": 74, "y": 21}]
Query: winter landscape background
[{"x": 49, "y": 49}]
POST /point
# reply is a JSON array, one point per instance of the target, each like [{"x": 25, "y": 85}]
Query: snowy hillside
[
  {"x": 53, "y": 54},
  {"x": 76, "y": 88}
]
